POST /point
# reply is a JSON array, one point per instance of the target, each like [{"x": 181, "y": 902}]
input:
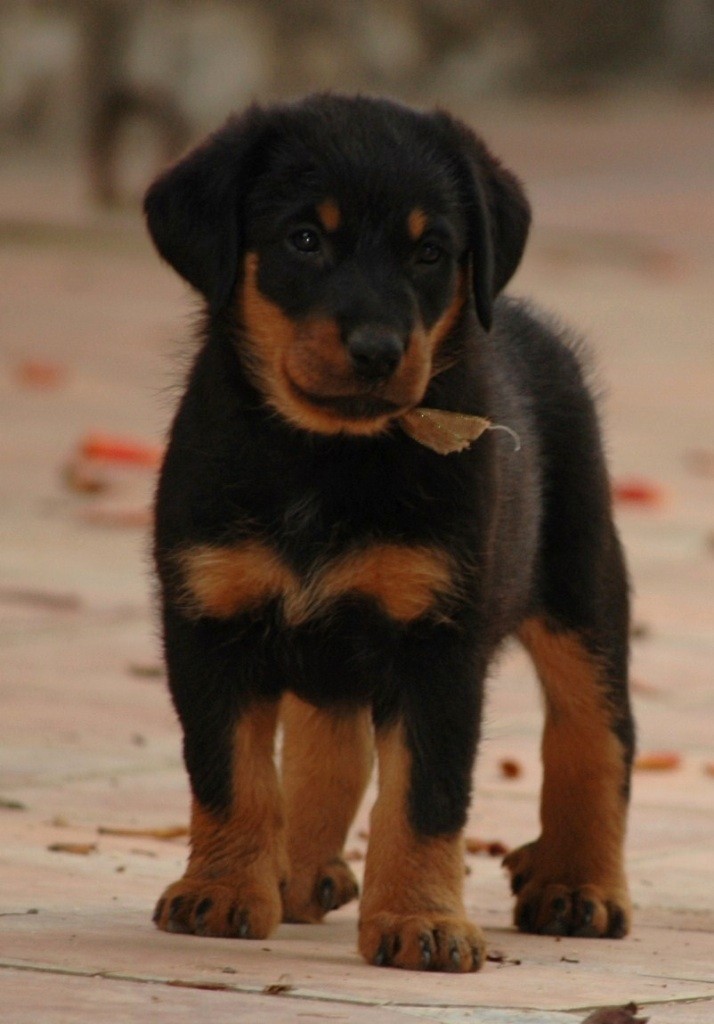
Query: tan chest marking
[
  {"x": 407, "y": 582},
  {"x": 221, "y": 581}
]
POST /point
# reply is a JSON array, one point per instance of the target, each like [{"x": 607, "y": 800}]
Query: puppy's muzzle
[{"x": 375, "y": 352}]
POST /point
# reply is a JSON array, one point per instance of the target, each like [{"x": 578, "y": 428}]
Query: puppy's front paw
[
  {"x": 422, "y": 942},
  {"x": 311, "y": 894},
  {"x": 549, "y": 903},
  {"x": 199, "y": 906}
]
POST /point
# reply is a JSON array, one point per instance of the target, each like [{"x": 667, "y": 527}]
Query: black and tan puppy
[{"x": 338, "y": 548}]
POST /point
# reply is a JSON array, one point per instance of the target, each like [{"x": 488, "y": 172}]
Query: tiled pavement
[{"x": 622, "y": 248}]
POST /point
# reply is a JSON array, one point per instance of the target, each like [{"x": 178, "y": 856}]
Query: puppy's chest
[{"x": 307, "y": 562}]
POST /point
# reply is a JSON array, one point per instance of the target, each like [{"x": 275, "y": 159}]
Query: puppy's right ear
[{"x": 193, "y": 209}]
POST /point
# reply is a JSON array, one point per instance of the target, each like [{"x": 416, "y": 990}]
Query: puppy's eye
[
  {"x": 305, "y": 240},
  {"x": 428, "y": 252}
]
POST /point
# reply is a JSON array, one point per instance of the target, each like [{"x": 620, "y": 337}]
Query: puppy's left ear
[
  {"x": 498, "y": 212},
  {"x": 193, "y": 210}
]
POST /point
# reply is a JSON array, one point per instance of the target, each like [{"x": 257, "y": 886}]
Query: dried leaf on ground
[
  {"x": 283, "y": 984},
  {"x": 11, "y": 805},
  {"x": 83, "y": 477},
  {"x": 616, "y": 1015},
  {"x": 510, "y": 768},
  {"x": 497, "y": 956},
  {"x": 203, "y": 986},
  {"x": 148, "y": 670},
  {"x": 171, "y": 832},
  {"x": 491, "y": 847},
  {"x": 81, "y": 849}
]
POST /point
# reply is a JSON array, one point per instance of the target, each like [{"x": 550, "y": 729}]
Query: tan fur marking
[
  {"x": 407, "y": 582},
  {"x": 280, "y": 355},
  {"x": 413, "y": 884},
  {"x": 326, "y": 764},
  {"x": 220, "y": 581},
  {"x": 276, "y": 346},
  {"x": 416, "y": 223},
  {"x": 256, "y": 816},
  {"x": 329, "y": 213},
  {"x": 405, "y": 871},
  {"x": 582, "y": 803},
  {"x": 447, "y": 321},
  {"x": 237, "y": 862}
]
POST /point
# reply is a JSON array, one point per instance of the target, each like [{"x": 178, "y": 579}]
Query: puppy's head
[{"x": 349, "y": 236}]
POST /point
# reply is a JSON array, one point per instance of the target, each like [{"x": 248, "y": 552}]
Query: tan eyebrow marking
[
  {"x": 416, "y": 223},
  {"x": 329, "y": 213}
]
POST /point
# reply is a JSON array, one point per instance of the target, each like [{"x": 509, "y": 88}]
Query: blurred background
[{"x": 121, "y": 85}]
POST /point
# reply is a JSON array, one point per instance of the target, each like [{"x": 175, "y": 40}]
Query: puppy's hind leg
[
  {"x": 326, "y": 764},
  {"x": 571, "y": 880}
]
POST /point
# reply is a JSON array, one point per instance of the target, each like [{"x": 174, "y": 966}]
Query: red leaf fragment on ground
[
  {"x": 635, "y": 491},
  {"x": 112, "y": 448},
  {"x": 658, "y": 761},
  {"x": 616, "y": 1015},
  {"x": 491, "y": 847},
  {"x": 40, "y": 374},
  {"x": 510, "y": 768}
]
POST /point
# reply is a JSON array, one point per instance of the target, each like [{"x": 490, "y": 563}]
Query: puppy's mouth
[{"x": 364, "y": 406}]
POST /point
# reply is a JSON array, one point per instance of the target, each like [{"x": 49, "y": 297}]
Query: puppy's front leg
[
  {"x": 238, "y": 862},
  {"x": 412, "y": 913}
]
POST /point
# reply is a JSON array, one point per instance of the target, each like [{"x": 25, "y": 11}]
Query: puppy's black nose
[{"x": 375, "y": 352}]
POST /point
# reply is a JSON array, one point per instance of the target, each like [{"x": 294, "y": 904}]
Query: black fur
[{"x": 530, "y": 529}]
